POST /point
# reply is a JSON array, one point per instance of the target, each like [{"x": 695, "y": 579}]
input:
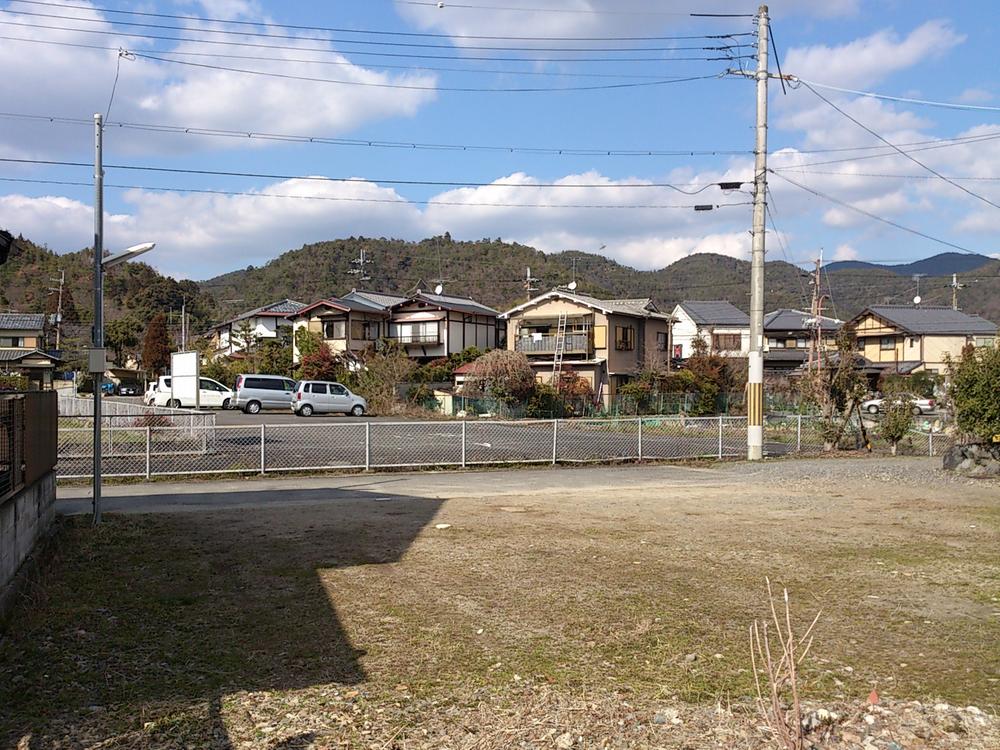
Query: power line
[
  {"x": 966, "y": 141},
  {"x": 348, "y": 64},
  {"x": 466, "y": 6},
  {"x": 409, "y": 55},
  {"x": 409, "y": 145},
  {"x": 464, "y": 89},
  {"x": 351, "y": 199},
  {"x": 416, "y": 45},
  {"x": 871, "y": 215},
  {"x": 887, "y": 176},
  {"x": 319, "y": 178},
  {"x": 916, "y": 161},
  {"x": 378, "y": 32},
  {"x": 904, "y": 99}
]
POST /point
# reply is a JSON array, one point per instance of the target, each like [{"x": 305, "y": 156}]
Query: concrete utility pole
[
  {"x": 62, "y": 282},
  {"x": 755, "y": 383},
  {"x": 955, "y": 286},
  {"x": 98, "y": 376},
  {"x": 183, "y": 324}
]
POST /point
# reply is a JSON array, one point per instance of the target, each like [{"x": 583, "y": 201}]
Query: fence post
[
  {"x": 640, "y": 438},
  {"x": 368, "y": 446},
  {"x": 464, "y": 423},
  {"x": 930, "y": 442},
  {"x": 263, "y": 438},
  {"x": 798, "y": 435},
  {"x": 555, "y": 439},
  {"x": 720, "y": 437},
  {"x": 149, "y": 449}
]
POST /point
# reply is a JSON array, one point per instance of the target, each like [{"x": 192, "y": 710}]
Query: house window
[
  {"x": 984, "y": 341},
  {"x": 364, "y": 330},
  {"x": 773, "y": 343},
  {"x": 624, "y": 338},
  {"x": 913, "y": 341},
  {"x": 726, "y": 342},
  {"x": 887, "y": 343},
  {"x": 861, "y": 343},
  {"x": 335, "y": 329},
  {"x": 415, "y": 333},
  {"x": 17, "y": 341},
  {"x": 661, "y": 342}
]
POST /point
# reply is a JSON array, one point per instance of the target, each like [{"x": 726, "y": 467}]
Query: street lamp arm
[{"x": 128, "y": 254}]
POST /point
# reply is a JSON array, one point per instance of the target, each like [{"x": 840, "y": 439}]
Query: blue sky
[{"x": 914, "y": 49}]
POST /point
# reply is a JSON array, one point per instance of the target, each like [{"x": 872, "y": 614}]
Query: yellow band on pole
[{"x": 755, "y": 404}]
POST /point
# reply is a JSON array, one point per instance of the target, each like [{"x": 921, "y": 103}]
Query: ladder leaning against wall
[{"x": 560, "y": 349}]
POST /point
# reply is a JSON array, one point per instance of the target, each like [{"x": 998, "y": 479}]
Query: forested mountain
[
  {"x": 942, "y": 264},
  {"x": 489, "y": 270}
]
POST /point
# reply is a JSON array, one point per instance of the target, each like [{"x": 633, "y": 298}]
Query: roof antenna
[{"x": 358, "y": 266}]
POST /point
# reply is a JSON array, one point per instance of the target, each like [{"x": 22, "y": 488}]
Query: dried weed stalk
[{"x": 778, "y": 699}]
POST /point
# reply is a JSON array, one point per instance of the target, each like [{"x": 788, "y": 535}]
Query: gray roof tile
[
  {"x": 22, "y": 321},
  {"x": 794, "y": 320},
  {"x": 715, "y": 313},
  {"x": 926, "y": 319}
]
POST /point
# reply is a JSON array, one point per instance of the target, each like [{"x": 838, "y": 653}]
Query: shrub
[
  {"x": 503, "y": 375},
  {"x": 323, "y": 364},
  {"x": 896, "y": 420},
  {"x": 13, "y": 383},
  {"x": 381, "y": 374},
  {"x": 975, "y": 391}
]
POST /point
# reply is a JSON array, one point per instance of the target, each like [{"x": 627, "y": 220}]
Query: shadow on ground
[{"x": 158, "y": 617}]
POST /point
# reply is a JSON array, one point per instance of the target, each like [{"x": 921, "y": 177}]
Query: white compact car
[
  {"x": 212, "y": 395},
  {"x": 917, "y": 405}
]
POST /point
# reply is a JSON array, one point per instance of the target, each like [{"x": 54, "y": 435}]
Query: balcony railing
[
  {"x": 576, "y": 343},
  {"x": 417, "y": 338}
]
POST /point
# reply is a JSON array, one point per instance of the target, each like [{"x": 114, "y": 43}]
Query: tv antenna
[
  {"x": 916, "y": 278},
  {"x": 440, "y": 281},
  {"x": 530, "y": 281},
  {"x": 359, "y": 266}
]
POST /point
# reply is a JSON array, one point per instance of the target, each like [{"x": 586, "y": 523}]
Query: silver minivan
[
  {"x": 256, "y": 392},
  {"x": 324, "y": 397}
]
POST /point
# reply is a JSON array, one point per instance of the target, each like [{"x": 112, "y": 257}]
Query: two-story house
[
  {"x": 788, "y": 335},
  {"x": 606, "y": 341},
  {"x": 22, "y": 338},
  {"x": 911, "y": 338},
  {"x": 265, "y": 323},
  {"x": 723, "y": 327},
  {"x": 427, "y": 326}
]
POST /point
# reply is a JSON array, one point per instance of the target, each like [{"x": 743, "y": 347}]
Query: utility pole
[
  {"x": 62, "y": 282},
  {"x": 359, "y": 264},
  {"x": 529, "y": 282},
  {"x": 955, "y": 286},
  {"x": 183, "y": 324},
  {"x": 755, "y": 381},
  {"x": 96, "y": 371}
]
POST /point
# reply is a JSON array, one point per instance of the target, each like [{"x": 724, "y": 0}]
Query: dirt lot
[{"x": 581, "y": 617}]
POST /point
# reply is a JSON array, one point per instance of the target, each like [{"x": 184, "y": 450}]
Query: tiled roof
[
  {"x": 795, "y": 320},
  {"x": 279, "y": 308},
  {"x": 22, "y": 321},
  {"x": 377, "y": 299},
  {"x": 14, "y": 355},
  {"x": 461, "y": 304},
  {"x": 715, "y": 312},
  {"x": 924, "y": 319},
  {"x": 639, "y": 307}
]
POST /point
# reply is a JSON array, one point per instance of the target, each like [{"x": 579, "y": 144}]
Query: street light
[{"x": 98, "y": 355}]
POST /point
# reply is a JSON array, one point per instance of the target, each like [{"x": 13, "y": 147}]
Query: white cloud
[
  {"x": 974, "y": 96},
  {"x": 64, "y": 80},
  {"x": 845, "y": 252},
  {"x": 873, "y": 58}
]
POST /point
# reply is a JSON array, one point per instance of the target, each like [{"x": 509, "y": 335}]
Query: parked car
[
  {"x": 162, "y": 383},
  {"x": 129, "y": 389},
  {"x": 108, "y": 388},
  {"x": 211, "y": 394},
  {"x": 324, "y": 397},
  {"x": 917, "y": 405},
  {"x": 256, "y": 392}
]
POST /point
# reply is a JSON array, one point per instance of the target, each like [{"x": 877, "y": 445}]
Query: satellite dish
[
  {"x": 917, "y": 299},
  {"x": 438, "y": 289},
  {"x": 571, "y": 286}
]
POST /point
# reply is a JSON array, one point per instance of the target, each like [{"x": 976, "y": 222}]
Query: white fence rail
[
  {"x": 76, "y": 412},
  {"x": 152, "y": 451}
]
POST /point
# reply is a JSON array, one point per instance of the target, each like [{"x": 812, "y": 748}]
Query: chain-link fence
[{"x": 164, "y": 450}]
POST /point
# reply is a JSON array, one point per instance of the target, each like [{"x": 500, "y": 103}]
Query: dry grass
[{"x": 356, "y": 623}]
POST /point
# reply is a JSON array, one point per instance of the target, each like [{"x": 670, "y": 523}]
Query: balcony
[
  {"x": 576, "y": 343},
  {"x": 408, "y": 339}
]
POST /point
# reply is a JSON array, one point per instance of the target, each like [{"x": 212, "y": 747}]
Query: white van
[{"x": 212, "y": 394}]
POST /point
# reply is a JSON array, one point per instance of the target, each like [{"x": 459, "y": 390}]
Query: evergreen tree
[{"x": 156, "y": 346}]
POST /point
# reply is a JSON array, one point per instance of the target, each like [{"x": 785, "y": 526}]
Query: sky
[{"x": 392, "y": 118}]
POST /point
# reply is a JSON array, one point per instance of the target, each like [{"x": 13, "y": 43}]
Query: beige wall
[
  {"x": 551, "y": 308},
  {"x": 931, "y": 350},
  {"x": 936, "y": 347}
]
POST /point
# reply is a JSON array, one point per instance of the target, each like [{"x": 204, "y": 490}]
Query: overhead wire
[
  {"x": 408, "y": 55},
  {"x": 912, "y": 158},
  {"x": 322, "y": 178},
  {"x": 965, "y": 141},
  {"x": 355, "y": 199},
  {"x": 902, "y": 99},
  {"x": 590, "y": 11},
  {"x": 378, "y": 32},
  {"x": 870, "y": 215}
]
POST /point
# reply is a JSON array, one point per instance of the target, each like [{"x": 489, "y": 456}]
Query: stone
[
  {"x": 442, "y": 526},
  {"x": 691, "y": 657},
  {"x": 667, "y": 716},
  {"x": 564, "y": 741}
]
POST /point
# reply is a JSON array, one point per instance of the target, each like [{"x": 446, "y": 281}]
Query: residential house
[
  {"x": 724, "y": 328},
  {"x": 427, "y": 326},
  {"x": 261, "y": 324},
  {"x": 351, "y": 323},
  {"x": 788, "y": 335},
  {"x": 21, "y": 349},
  {"x": 911, "y": 338},
  {"x": 606, "y": 341}
]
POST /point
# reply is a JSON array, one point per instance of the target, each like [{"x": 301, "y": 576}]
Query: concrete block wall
[{"x": 25, "y": 519}]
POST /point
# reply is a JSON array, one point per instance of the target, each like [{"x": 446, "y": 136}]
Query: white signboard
[{"x": 185, "y": 371}]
